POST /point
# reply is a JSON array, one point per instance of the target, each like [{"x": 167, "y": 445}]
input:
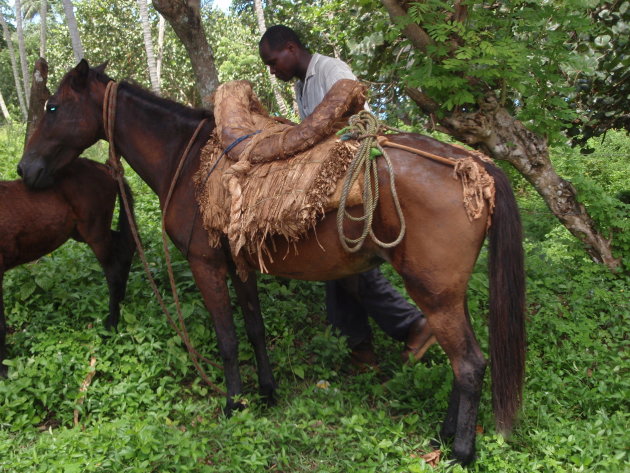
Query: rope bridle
[{"x": 114, "y": 163}]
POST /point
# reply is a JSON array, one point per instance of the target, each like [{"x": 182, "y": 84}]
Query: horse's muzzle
[{"x": 34, "y": 175}]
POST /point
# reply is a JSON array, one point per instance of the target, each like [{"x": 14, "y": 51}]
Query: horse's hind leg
[
  {"x": 451, "y": 326},
  {"x": 247, "y": 295},
  {"x": 3, "y": 332}
]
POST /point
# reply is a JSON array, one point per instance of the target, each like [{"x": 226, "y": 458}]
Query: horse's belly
[{"x": 318, "y": 256}]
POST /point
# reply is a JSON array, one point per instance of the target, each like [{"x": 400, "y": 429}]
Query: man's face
[{"x": 282, "y": 62}]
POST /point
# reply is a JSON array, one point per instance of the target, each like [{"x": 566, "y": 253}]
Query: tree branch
[{"x": 414, "y": 33}]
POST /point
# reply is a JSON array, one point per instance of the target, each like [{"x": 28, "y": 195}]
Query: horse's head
[{"x": 71, "y": 123}]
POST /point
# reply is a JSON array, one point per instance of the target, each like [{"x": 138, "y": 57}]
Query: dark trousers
[{"x": 349, "y": 302}]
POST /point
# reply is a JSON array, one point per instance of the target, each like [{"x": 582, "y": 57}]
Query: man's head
[{"x": 280, "y": 48}]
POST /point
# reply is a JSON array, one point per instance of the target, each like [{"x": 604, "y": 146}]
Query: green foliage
[{"x": 602, "y": 91}]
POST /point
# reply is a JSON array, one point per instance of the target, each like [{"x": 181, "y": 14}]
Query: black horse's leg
[
  {"x": 449, "y": 427},
  {"x": 458, "y": 341},
  {"x": 3, "y": 333},
  {"x": 115, "y": 258},
  {"x": 116, "y": 268},
  {"x": 247, "y": 295},
  {"x": 211, "y": 281}
]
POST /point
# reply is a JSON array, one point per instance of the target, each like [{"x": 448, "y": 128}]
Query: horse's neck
[{"x": 151, "y": 138}]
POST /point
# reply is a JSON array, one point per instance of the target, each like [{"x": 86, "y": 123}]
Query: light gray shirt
[{"x": 321, "y": 75}]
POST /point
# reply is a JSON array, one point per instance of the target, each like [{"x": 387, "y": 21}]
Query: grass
[{"x": 146, "y": 410}]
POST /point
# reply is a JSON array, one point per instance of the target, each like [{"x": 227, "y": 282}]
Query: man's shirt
[{"x": 321, "y": 75}]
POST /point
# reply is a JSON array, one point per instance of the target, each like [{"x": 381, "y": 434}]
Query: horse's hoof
[
  {"x": 462, "y": 457},
  {"x": 233, "y": 406},
  {"x": 268, "y": 394}
]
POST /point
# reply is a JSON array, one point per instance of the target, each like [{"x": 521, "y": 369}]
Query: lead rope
[
  {"x": 364, "y": 127},
  {"x": 113, "y": 161}
]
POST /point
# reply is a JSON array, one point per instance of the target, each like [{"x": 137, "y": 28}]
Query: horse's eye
[{"x": 51, "y": 108}]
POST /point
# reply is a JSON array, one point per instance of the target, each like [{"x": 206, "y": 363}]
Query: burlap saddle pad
[{"x": 257, "y": 192}]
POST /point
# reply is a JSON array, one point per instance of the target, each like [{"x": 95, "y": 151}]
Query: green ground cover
[{"x": 146, "y": 411}]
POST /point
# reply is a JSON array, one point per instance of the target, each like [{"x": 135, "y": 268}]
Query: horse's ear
[
  {"x": 101, "y": 67},
  {"x": 80, "y": 75}
]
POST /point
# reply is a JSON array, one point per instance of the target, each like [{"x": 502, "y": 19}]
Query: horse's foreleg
[
  {"x": 247, "y": 295},
  {"x": 3, "y": 333},
  {"x": 210, "y": 280}
]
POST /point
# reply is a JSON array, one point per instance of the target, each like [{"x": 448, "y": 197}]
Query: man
[{"x": 350, "y": 300}]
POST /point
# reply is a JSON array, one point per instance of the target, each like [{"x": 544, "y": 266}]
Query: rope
[
  {"x": 109, "y": 116},
  {"x": 365, "y": 127}
]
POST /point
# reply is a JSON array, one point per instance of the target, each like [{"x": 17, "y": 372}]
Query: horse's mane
[{"x": 171, "y": 106}]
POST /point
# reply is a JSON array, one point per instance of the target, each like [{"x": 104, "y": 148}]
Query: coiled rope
[{"x": 365, "y": 128}]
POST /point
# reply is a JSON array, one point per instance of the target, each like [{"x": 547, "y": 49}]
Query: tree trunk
[
  {"x": 148, "y": 45},
  {"x": 5, "y": 110},
  {"x": 21, "y": 46},
  {"x": 77, "y": 47},
  {"x": 262, "y": 27},
  {"x": 503, "y": 137},
  {"x": 184, "y": 16},
  {"x": 158, "y": 62},
  {"x": 43, "y": 29},
  {"x": 39, "y": 95},
  {"x": 16, "y": 74}
]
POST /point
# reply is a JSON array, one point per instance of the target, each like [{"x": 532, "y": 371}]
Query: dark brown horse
[
  {"x": 435, "y": 259},
  {"x": 79, "y": 205}
]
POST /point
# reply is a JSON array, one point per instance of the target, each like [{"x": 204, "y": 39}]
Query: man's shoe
[
  {"x": 419, "y": 339},
  {"x": 363, "y": 357}
]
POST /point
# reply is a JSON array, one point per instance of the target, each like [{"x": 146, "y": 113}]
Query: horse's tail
[
  {"x": 507, "y": 303},
  {"x": 126, "y": 240}
]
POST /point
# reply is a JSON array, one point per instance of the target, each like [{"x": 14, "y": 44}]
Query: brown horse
[
  {"x": 79, "y": 205},
  {"x": 435, "y": 259}
]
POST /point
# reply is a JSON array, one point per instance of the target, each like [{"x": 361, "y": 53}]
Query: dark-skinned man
[{"x": 349, "y": 301}]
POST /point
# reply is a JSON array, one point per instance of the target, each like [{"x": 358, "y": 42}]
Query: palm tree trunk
[
  {"x": 43, "y": 31},
  {"x": 5, "y": 110},
  {"x": 158, "y": 62},
  {"x": 262, "y": 27},
  {"x": 77, "y": 47},
  {"x": 21, "y": 46},
  {"x": 16, "y": 74},
  {"x": 148, "y": 45}
]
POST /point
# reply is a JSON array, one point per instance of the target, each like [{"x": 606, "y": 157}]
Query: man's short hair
[{"x": 278, "y": 36}]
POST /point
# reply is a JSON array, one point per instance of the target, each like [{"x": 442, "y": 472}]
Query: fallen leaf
[{"x": 432, "y": 458}]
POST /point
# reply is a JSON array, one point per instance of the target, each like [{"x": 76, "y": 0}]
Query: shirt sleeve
[{"x": 333, "y": 71}]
